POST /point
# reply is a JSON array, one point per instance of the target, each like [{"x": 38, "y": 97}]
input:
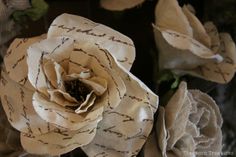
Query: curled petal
[
  {"x": 173, "y": 110},
  {"x": 54, "y": 73},
  {"x": 15, "y": 60},
  {"x": 202, "y": 97},
  {"x": 183, "y": 42},
  {"x": 17, "y": 103},
  {"x": 222, "y": 72},
  {"x": 188, "y": 53},
  {"x": 119, "y": 5},
  {"x": 161, "y": 131},
  {"x": 166, "y": 13},
  {"x": 81, "y": 29},
  {"x": 64, "y": 117},
  {"x": 88, "y": 103},
  {"x": 62, "y": 98},
  {"x": 214, "y": 36},
  {"x": 98, "y": 84},
  {"x": 199, "y": 32}
]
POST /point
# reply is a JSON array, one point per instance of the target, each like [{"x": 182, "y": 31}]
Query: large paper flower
[
  {"x": 187, "y": 47},
  {"x": 189, "y": 125},
  {"x": 73, "y": 88}
]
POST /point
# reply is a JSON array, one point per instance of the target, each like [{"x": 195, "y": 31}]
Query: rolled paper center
[{"x": 77, "y": 89}]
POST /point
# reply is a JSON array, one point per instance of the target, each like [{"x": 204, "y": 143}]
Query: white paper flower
[
  {"x": 188, "y": 126},
  {"x": 73, "y": 88},
  {"x": 187, "y": 47},
  {"x": 119, "y": 5}
]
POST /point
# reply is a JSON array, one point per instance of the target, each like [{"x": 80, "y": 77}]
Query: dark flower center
[{"x": 77, "y": 89}]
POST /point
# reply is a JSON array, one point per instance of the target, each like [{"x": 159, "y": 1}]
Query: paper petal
[
  {"x": 199, "y": 32},
  {"x": 15, "y": 60},
  {"x": 166, "y": 13},
  {"x": 210, "y": 102},
  {"x": 65, "y": 117},
  {"x": 124, "y": 129},
  {"x": 119, "y": 5},
  {"x": 58, "y": 141},
  {"x": 172, "y": 58},
  {"x": 214, "y": 35},
  {"x": 57, "y": 49},
  {"x": 81, "y": 29},
  {"x": 161, "y": 133},
  {"x": 102, "y": 65},
  {"x": 212, "y": 130},
  {"x": 62, "y": 98},
  {"x": 54, "y": 73},
  {"x": 17, "y": 103},
  {"x": 97, "y": 84},
  {"x": 191, "y": 8},
  {"x": 222, "y": 72},
  {"x": 183, "y": 42},
  {"x": 185, "y": 147},
  {"x": 178, "y": 128},
  {"x": 178, "y": 51},
  {"x": 175, "y": 105},
  {"x": 87, "y": 104}
]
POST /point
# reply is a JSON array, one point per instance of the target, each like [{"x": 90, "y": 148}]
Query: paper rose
[
  {"x": 189, "y": 125},
  {"x": 187, "y": 47},
  {"x": 119, "y": 5},
  {"x": 73, "y": 88}
]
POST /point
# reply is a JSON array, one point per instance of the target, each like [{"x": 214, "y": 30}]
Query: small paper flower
[
  {"x": 73, "y": 88},
  {"x": 189, "y": 125},
  {"x": 119, "y": 5},
  {"x": 187, "y": 47},
  {"x": 8, "y": 28}
]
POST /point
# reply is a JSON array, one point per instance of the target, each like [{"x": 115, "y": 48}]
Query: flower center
[{"x": 77, "y": 89}]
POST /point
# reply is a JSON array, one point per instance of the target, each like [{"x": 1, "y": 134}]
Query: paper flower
[
  {"x": 73, "y": 88},
  {"x": 189, "y": 125},
  {"x": 120, "y": 5},
  {"x": 187, "y": 47}
]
